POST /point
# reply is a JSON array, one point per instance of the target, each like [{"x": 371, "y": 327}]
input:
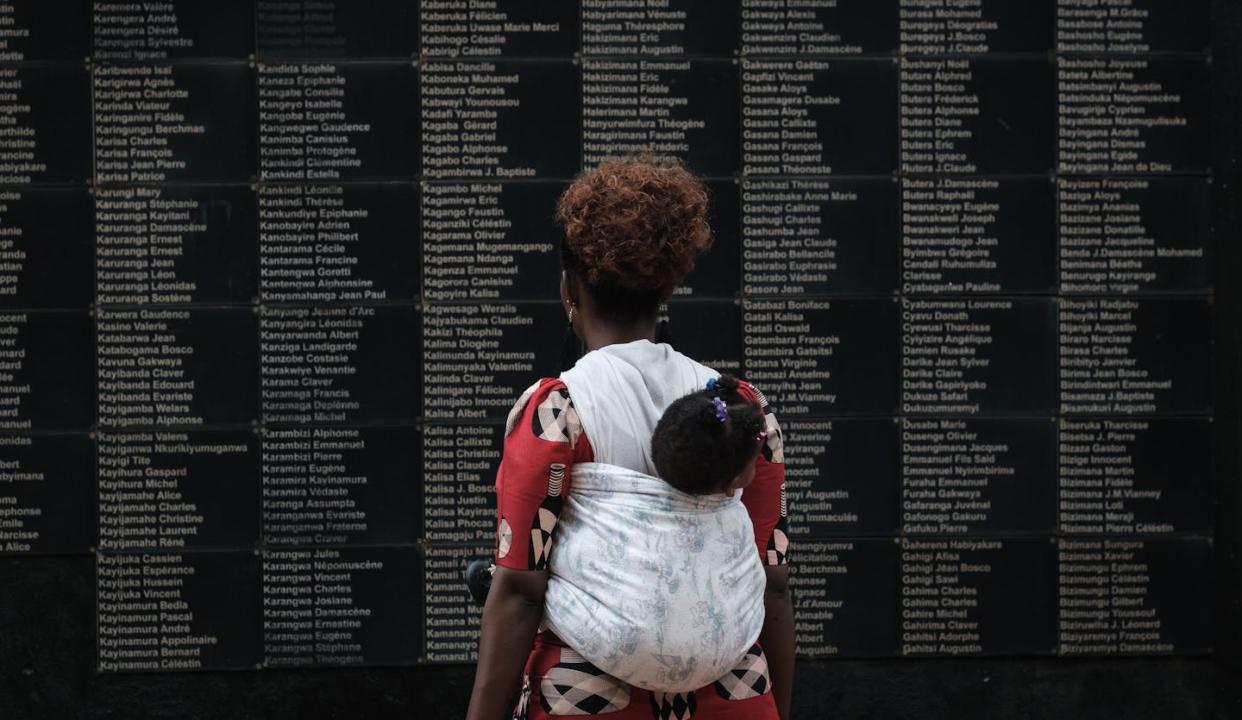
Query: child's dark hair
[{"x": 698, "y": 453}]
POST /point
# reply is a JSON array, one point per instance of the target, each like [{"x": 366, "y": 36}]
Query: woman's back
[
  {"x": 620, "y": 392},
  {"x": 631, "y": 231},
  {"x": 658, "y": 588}
]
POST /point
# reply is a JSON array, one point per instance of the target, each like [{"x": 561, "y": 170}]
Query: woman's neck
[{"x": 600, "y": 333}]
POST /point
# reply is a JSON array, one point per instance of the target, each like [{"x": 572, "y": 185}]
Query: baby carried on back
[{"x": 656, "y": 580}]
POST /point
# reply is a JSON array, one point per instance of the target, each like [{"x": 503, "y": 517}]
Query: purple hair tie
[{"x": 722, "y": 410}]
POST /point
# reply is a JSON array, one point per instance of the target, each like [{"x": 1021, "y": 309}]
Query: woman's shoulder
[
  {"x": 751, "y": 392},
  {"x": 705, "y": 372},
  {"x": 540, "y": 388},
  {"x": 550, "y": 410}
]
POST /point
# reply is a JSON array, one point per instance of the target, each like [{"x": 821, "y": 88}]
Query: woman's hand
[{"x": 510, "y": 619}]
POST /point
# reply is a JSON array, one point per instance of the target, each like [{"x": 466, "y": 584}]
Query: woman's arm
[
  {"x": 765, "y": 500},
  {"x": 543, "y": 438},
  {"x": 510, "y": 620},
  {"x": 777, "y": 636}
]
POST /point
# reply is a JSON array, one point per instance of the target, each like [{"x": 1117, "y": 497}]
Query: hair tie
[
  {"x": 711, "y": 384},
  {"x": 722, "y": 410}
]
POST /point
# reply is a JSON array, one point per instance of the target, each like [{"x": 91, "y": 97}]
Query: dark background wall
[
  {"x": 1227, "y": 39},
  {"x": 49, "y": 662},
  {"x": 49, "y": 673}
]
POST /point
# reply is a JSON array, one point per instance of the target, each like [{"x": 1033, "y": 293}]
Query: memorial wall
[{"x": 272, "y": 274}]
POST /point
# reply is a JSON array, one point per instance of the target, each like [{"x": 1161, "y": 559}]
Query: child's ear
[{"x": 743, "y": 478}]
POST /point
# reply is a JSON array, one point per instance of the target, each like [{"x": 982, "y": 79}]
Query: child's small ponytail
[{"x": 725, "y": 385}]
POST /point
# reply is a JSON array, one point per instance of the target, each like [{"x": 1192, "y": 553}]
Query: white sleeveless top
[{"x": 658, "y": 588}]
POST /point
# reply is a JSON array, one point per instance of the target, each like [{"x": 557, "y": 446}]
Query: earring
[{"x": 572, "y": 348}]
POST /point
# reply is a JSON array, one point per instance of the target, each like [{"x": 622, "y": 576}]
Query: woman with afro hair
[{"x": 632, "y": 230}]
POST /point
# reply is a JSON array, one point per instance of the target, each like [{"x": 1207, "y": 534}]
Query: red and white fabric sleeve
[
  {"x": 543, "y": 439},
  {"x": 765, "y": 497}
]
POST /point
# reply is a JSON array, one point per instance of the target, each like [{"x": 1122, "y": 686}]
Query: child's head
[{"x": 707, "y": 441}]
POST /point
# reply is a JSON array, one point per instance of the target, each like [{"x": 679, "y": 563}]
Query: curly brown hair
[{"x": 633, "y": 228}]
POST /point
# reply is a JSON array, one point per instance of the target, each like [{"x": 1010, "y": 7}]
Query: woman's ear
[{"x": 569, "y": 289}]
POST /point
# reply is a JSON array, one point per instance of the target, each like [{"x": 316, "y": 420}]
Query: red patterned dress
[{"x": 543, "y": 430}]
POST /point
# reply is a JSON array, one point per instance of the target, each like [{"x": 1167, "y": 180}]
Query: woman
[{"x": 632, "y": 231}]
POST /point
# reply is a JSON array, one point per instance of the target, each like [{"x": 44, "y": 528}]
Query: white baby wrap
[{"x": 661, "y": 589}]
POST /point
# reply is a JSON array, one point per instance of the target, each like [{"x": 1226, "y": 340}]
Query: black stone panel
[
  {"x": 1134, "y": 235},
  {"x": 338, "y": 243},
  {"x": 847, "y": 597},
  {"x": 978, "y": 597},
  {"x": 717, "y": 272},
  {"x": 1122, "y": 115},
  {"x": 820, "y": 236},
  {"x": 177, "y": 367},
  {"x": 47, "y": 361},
  {"x": 844, "y": 27},
  {"x": 487, "y": 240},
  {"x": 341, "y": 606},
  {"x": 171, "y": 123},
  {"x": 841, "y": 355},
  {"x": 675, "y": 27},
  {"x": 978, "y": 477},
  {"x": 47, "y": 499},
  {"x": 340, "y": 485},
  {"x": 1133, "y": 27},
  {"x": 977, "y": 115},
  {"x": 35, "y": 30},
  {"x": 1139, "y": 476},
  {"x": 451, "y": 624},
  {"x": 819, "y": 117},
  {"x": 497, "y": 120},
  {"x": 477, "y": 359},
  {"x": 178, "y": 611},
  {"x": 977, "y": 235},
  {"x": 336, "y": 28},
  {"x": 169, "y": 491},
  {"x": 932, "y": 27},
  {"x": 1134, "y": 597},
  {"x": 172, "y": 30},
  {"x": 843, "y": 477},
  {"x": 459, "y": 482},
  {"x": 337, "y": 121},
  {"x": 272, "y": 275},
  {"x": 542, "y": 28},
  {"x": 340, "y": 364},
  {"x": 707, "y": 332},
  {"x": 45, "y": 252},
  {"x": 961, "y": 357},
  {"x": 46, "y": 130},
  {"x": 671, "y": 107},
  {"x": 175, "y": 245},
  {"x": 1132, "y": 357}
]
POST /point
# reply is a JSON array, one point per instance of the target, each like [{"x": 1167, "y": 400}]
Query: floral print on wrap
[{"x": 654, "y": 586}]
